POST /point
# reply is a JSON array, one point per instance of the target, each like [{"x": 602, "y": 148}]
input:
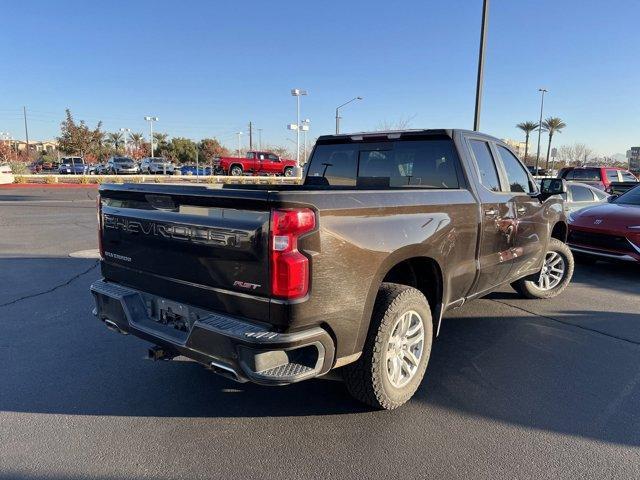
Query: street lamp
[
  {"x": 239, "y": 144},
  {"x": 542, "y": 91},
  {"x": 480, "y": 78},
  {"x": 305, "y": 128},
  {"x": 297, "y": 92},
  {"x": 151, "y": 120},
  {"x": 338, "y": 112},
  {"x": 124, "y": 136}
]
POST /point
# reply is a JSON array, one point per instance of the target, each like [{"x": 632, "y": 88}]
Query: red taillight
[
  {"x": 289, "y": 267},
  {"x": 99, "y": 206}
]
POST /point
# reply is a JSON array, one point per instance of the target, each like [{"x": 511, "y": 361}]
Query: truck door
[
  {"x": 251, "y": 163},
  {"x": 497, "y": 218},
  {"x": 531, "y": 229}
]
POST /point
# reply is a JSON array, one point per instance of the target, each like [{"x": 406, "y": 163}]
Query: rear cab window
[
  {"x": 403, "y": 163},
  {"x": 586, "y": 174}
]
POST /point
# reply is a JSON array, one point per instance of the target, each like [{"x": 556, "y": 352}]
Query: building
[
  {"x": 37, "y": 146},
  {"x": 633, "y": 155},
  {"x": 517, "y": 147}
]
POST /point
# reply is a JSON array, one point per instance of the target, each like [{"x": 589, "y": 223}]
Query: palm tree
[
  {"x": 114, "y": 139},
  {"x": 552, "y": 125},
  {"x": 137, "y": 139},
  {"x": 527, "y": 128}
]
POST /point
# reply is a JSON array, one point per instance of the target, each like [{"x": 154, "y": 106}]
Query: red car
[
  {"x": 599, "y": 177},
  {"x": 257, "y": 163},
  {"x": 607, "y": 231}
]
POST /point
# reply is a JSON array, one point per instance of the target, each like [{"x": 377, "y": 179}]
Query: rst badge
[{"x": 246, "y": 285}]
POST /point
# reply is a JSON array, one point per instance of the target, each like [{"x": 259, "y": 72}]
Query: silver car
[
  {"x": 157, "y": 165},
  {"x": 122, "y": 165},
  {"x": 581, "y": 195}
]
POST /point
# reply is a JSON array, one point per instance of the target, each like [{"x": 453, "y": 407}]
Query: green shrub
[
  {"x": 19, "y": 179},
  {"x": 50, "y": 179},
  {"x": 18, "y": 168}
]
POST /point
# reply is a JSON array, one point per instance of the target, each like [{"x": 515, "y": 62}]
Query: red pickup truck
[{"x": 255, "y": 162}]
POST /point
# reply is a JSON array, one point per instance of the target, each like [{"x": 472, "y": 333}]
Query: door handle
[{"x": 491, "y": 212}]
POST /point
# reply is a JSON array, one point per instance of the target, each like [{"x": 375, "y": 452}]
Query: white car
[
  {"x": 6, "y": 175},
  {"x": 156, "y": 165}
]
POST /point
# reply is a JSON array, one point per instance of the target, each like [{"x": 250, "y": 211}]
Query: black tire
[
  {"x": 528, "y": 286},
  {"x": 288, "y": 172},
  {"x": 236, "y": 171},
  {"x": 367, "y": 379}
]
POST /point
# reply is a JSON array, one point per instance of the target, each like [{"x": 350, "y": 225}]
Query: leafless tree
[
  {"x": 401, "y": 124},
  {"x": 576, "y": 154}
]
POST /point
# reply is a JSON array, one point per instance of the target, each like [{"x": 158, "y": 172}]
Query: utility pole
[
  {"x": 250, "y": 135},
  {"x": 26, "y": 129},
  {"x": 260, "y": 139},
  {"x": 483, "y": 39},
  {"x": 338, "y": 117},
  {"x": 297, "y": 92},
  {"x": 542, "y": 91}
]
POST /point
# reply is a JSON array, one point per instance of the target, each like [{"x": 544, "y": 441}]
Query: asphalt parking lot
[{"x": 515, "y": 388}]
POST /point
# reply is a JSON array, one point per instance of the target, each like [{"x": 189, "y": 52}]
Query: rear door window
[
  {"x": 612, "y": 175},
  {"x": 486, "y": 165}
]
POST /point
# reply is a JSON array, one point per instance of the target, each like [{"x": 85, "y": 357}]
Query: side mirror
[
  {"x": 552, "y": 186},
  {"x": 612, "y": 198}
]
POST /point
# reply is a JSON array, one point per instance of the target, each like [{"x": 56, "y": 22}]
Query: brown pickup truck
[{"x": 351, "y": 271}]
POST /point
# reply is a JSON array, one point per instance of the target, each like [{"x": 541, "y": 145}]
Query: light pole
[
  {"x": 260, "y": 139},
  {"x": 542, "y": 91},
  {"x": 305, "y": 128},
  {"x": 297, "y": 92},
  {"x": 124, "y": 136},
  {"x": 483, "y": 39},
  {"x": 151, "y": 120},
  {"x": 338, "y": 112},
  {"x": 239, "y": 144}
]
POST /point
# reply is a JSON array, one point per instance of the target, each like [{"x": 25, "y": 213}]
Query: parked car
[
  {"x": 50, "y": 166},
  {"x": 581, "y": 195},
  {"x": 277, "y": 284},
  {"x": 265, "y": 163},
  {"x": 608, "y": 232},
  {"x": 72, "y": 165},
  {"x": 122, "y": 166},
  {"x": 6, "y": 175},
  {"x": 541, "y": 172},
  {"x": 193, "y": 170},
  {"x": 156, "y": 165},
  {"x": 618, "y": 188},
  {"x": 599, "y": 177}
]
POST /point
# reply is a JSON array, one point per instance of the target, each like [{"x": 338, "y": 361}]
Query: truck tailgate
[{"x": 198, "y": 245}]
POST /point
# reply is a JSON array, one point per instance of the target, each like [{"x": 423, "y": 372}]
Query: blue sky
[{"x": 206, "y": 68}]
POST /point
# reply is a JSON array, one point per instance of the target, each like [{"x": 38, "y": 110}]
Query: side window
[
  {"x": 612, "y": 175},
  {"x": 486, "y": 165},
  {"x": 251, "y": 155},
  {"x": 600, "y": 195},
  {"x": 272, "y": 157},
  {"x": 628, "y": 177},
  {"x": 581, "y": 194},
  {"x": 516, "y": 174}
]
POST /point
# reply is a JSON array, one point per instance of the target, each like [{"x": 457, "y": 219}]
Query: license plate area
[{"x": 171, "y": 317}]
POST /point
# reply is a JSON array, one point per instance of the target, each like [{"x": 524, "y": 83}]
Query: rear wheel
[
  {"x": 396, "y": 351},
  {"x": 554, "y": 276},
  {"x": 236, "y": 171},
  {"x": 288, "y": 172}
]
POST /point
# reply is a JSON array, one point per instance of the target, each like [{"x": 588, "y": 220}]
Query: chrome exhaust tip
[{"x": 113, "y": 326}]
